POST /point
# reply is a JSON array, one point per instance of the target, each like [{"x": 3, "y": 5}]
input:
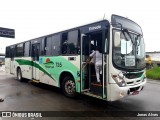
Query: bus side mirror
[{"x": 117, "y": 39}]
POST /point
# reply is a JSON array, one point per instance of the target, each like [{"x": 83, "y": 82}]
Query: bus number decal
[{"x": 58, "y": 64}]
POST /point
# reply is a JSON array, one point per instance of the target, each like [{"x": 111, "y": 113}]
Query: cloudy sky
[{"x": 35, "y": 18}]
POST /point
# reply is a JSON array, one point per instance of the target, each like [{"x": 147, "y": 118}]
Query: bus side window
[
  {"x": 37, "y": 52},
  {"x": 7, "y": 52},
  {"x": 19, "y": 50},
  {"x": 48, "y": 47},
  {"x": 12, "y": 52},
  {"x": 64, "y": 43},
  {"x": 56, "y": 45},
  {"x": 27, "y": 49},
  {"x": 43, "y": 45},
  {"x": 73, "y": 45},
  {"x": 33, "y": 51}
]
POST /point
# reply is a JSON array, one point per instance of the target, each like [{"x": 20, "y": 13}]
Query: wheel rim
[{"x": 70, "y": 87}]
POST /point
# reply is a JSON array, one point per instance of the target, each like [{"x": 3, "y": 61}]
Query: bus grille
[
  {"x": 134, "y": 89},
  {"x": 134, "y": 82},
  {"x": 133, "y": 75}
]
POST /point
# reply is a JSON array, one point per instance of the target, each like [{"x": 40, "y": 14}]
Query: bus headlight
[{"x": 119, "y": 80}]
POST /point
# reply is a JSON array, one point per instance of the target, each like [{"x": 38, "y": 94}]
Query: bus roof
[{"x": 62, "y": 31}]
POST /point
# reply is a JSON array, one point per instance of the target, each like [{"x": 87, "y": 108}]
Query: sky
[{"x": 35, "y": 18}]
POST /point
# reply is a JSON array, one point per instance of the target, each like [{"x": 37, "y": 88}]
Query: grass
[{"x": 153, "y": 73}]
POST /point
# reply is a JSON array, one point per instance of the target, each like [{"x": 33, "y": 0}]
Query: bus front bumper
[{"x": 121, "y": 92}]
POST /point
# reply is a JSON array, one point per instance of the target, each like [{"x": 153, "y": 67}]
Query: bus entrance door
[
  {"x": 35, "y": 58},
  {"x": 93, "y": 65},
  {"x": 85, "y": 79}
]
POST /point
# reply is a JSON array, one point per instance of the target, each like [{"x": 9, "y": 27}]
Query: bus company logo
[
  {"x": 48, "y": 60},
  {"x": 49, "y": 63},
  {"x": 95, "y": 27}
]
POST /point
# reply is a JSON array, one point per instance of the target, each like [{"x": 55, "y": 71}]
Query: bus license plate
[{"x": 135, "y": 93}]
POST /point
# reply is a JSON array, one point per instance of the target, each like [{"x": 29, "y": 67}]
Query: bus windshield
[
  {"x": 118, "y": 21},
  {"x": 128, "y": 50}
]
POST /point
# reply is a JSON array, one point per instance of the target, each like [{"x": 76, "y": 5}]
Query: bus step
[
  {"x": 97, "y": 89},
  {"x": 93, "y": 95},
  {"x": 35, "y": 81}
]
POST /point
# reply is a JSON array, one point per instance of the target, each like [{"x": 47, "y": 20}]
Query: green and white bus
[{"x": 61, "y": 59}]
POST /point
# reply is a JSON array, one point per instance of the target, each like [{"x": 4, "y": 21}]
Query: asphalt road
[{"x": 25, "y": 96}]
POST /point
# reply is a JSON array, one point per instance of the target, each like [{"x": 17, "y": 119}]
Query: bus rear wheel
[
  {"x": 69, "y": 87},
  {"x": 19, "y": 74}
]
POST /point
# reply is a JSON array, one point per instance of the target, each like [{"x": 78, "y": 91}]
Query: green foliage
[{"x": 153, "y": 73}]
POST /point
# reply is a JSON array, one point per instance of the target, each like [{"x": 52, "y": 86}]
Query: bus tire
[
  {"x": 19, "y": 74},
  {"x": 69, "y": 87}
]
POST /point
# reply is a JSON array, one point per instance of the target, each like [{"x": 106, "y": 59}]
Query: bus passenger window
[
  {"x": 43, "y": 45},
  {"x": 56, "y": 45},
  {"x": 19, "y": 51},
  {"x": 49, "y": 46},
  {"x": 64, "y": 43},
  {"x": 37, "y": 52},
  {"x": 73, "y": 42},
  {"x": 7, "y": 52},
  {"x": 27, "y": 49}
]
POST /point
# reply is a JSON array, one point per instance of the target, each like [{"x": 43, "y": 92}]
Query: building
[{"x": 155, "y": 56}]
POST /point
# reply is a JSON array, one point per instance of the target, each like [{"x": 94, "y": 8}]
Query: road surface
[{"x": 25, "y": 96}]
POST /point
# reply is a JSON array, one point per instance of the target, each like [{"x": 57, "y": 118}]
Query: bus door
[
  {"x": 12, "y": 52},
  {"x": 85, "y": 79},
  {"x": 93, "y": 69},
  {"x": 35, "y": 62}
]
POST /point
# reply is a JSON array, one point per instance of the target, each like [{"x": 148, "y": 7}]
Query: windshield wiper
[{"x": 126, "y": 31}]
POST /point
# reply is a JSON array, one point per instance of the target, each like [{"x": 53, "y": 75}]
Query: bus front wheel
[{"x": 69, "y": 87}]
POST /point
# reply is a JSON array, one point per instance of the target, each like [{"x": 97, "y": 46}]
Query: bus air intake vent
[
  {"x": 133, "y": 75},
  {"x": 134, "y": 89}
]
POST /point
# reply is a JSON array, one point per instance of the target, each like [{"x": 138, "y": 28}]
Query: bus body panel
[
  {"x": 55, "y": 66},
  {"x": 49, "y": 69},
  {"x": 121, "y": 92},
  {"x": 12, "y": 67},
  {"x": 115, "y": 92},
  {"x": 7, "y": 64},
  {"x": 25, "y": 64}
]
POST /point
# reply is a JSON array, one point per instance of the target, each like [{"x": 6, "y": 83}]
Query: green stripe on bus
[{"x": 33, "y": 64}]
